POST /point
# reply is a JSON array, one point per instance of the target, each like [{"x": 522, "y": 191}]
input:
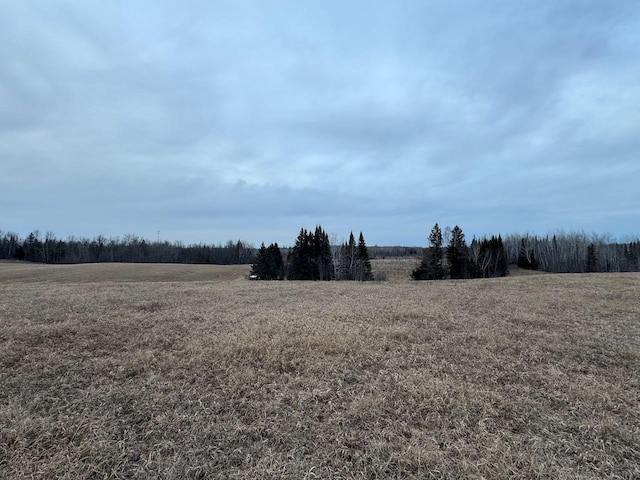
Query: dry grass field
[
  {"x": 12, "y": 271},
  {"x": 165, "y": 371}
]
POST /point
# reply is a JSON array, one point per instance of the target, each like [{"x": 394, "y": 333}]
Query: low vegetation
[{"x": 106, "y": 374}]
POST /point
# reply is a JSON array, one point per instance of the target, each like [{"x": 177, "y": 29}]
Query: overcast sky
[{"x": 217, "y": 120}]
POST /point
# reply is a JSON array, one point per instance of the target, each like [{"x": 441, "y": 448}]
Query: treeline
[
  {"x": 573, "y": 253},
  {"x": 130, "y": 248},
  {"x": 381, "y": 252},
  {"x": 313, "y": 258},
  {"x": 483, "y": 258}
]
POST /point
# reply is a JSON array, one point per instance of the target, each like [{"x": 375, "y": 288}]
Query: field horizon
[
  {"x": 393, "y": 269},
  {"x": 192, "y": 371}
]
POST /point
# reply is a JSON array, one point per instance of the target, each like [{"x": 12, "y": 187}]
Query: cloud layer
[{"x": 248, "y": 120}]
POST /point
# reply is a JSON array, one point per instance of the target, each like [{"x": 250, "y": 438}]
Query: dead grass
[
  {"x": 394, "y": 269},
  {"x": 524, "y": 377},
  {"x": 15, "y": 271}
]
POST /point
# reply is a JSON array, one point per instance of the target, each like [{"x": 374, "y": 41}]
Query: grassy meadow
[{"x": 192, "y": 371}]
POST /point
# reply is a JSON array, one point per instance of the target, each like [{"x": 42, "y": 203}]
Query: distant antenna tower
[{"x": 158, "y": 236}]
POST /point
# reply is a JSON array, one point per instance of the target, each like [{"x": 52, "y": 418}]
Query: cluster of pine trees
[
  {"x": 312, "y": 258},
  {"x": 268, "y": 263},
  {"x": 482, "y": 259}
]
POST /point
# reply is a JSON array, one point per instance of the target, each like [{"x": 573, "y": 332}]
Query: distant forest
[
  {"x": 573, "y": 253},
  {"x": 559, "y": 253},
  {"x": 449, "y": 256},
  {"x": 130, "y": 248}
]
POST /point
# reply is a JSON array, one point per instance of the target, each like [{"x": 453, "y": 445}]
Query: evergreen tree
[
  {"x": 268, "y": 264},
  {"x": 347, "y": 259},
  {"x": 19, "y": 253},
  {"x": 363, "y": 263},
  {"x": 299, "y": 258},
  {"x": 275, "y": 261},
  {"x": 322, "y": 259},
  {"x": 311, "y": 258},
  {"x": 458, "y": 255},
  {"x": 592, "y": 260},
  {"x": 435, "y": 261},
  {"x": 260, "y": 267},
  {"x": 33, "y": 247},
  {"x": 431, "y": 267}
]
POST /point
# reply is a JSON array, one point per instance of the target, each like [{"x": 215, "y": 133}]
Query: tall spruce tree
[
  {"x": 268, "y": 264},
  {"x": 347, "y": 259},
  {"x": 458, "y": 254},
  {"x": 322, "y": 257},
  {"x": 363, "y": 262},
  {"x": 435, "y": 261},
  {"x": 259, "y": 268},
  {"x": 299, "y": 258},
  {"x": 276, "y": 264},
  {"x": 431, "y": 267}
]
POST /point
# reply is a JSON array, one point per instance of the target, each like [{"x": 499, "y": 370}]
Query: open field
[
  {"x": 13, "y": 271},
  {"x": 165, "y": 371}
]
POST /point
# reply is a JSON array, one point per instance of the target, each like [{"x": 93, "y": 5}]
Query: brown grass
[
  {"x": 394, "y": 269},
  {"x": 14, "y": 271},
  {"x": 524, "y": 377}
]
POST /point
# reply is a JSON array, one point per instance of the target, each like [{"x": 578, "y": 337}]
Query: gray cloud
[{"x": 251, "y": 119}]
